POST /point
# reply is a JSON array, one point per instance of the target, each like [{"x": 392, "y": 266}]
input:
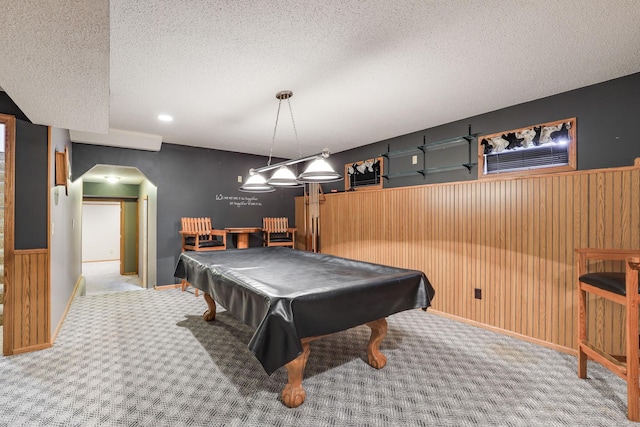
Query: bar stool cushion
[{"x": 610, "y": 282}]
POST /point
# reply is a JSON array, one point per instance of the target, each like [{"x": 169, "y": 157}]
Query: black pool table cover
[{"x": 288, "y": 294}]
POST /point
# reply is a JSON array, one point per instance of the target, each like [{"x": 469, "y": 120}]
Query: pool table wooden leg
[
  {"x": 211, "y": 313},
  {"x": 293, "y": 394},
  {"x": 378, "y": 332}
]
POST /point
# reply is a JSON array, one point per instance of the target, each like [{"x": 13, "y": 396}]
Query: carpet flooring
[
  {"x": 104, "y": 277},
  {"x": 148, "y": 359}
]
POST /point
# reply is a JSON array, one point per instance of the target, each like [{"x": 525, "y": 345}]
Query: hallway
[{"x": 103, "y": 277}]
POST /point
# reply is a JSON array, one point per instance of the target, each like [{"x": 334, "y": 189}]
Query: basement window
[{"x": 545, "y": 148}]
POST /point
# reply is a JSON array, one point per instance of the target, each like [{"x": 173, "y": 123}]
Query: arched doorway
[{"x": 128, "y": 187}]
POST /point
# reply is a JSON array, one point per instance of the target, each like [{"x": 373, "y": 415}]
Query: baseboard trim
[
  {"x": 66, "y": 310},
  {"x": 32, "y": 348},
  {"x": 167, "y": 287},
  {"x": 512, "y": 334}
]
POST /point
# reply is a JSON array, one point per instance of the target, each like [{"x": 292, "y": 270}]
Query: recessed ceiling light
[
  {"x": 165, "y": 118},
  {"x": 112, "y": 179}
]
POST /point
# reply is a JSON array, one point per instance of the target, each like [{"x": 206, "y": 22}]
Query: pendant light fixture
[
  {"x": 256, "y": 183},
  {"x": 319, "y": 170},
  {"x": 284, "y": 177}
]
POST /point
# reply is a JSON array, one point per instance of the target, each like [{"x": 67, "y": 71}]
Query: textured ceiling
[
  {"x": 361, "y": 71},
  {"x": 54, "y": 61}
]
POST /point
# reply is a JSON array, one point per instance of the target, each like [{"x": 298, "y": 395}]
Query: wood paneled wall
[
  {"x": 27, "y": 304},
  {"x": 29, "y": 300},
  {"x": 512, "y": 238}
]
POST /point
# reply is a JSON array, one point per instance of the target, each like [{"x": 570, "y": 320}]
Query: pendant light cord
[
  {"x": 284, "y": 95},
  {"x": 295, "y": 130},
  {"x": 273, "y": 138}
]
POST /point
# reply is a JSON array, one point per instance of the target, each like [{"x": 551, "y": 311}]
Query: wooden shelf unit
[{"x": 424, "y": 149}]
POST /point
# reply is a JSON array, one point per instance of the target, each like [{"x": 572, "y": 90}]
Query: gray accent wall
[
  {"x": 7, "y": 106},
  {"x": 193, "y": 182},
  {"x": 607, "y": 132},
  {"x": 31, "y": 180},
  {"x": 31, "y": 186}
]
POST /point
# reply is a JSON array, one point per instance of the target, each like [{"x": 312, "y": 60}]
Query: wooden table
[
  {"x": 243, "y": 235},
  {"x": 293, "y": 394}
]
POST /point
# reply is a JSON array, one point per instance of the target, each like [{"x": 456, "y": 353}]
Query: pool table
[{"x": 294, "y": 297}]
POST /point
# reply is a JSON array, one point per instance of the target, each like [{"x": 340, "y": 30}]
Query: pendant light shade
[
  {"x": 283, "y": 177},
  {"x": 319, "y": 171},
  {"x": 257, "y": 184}
]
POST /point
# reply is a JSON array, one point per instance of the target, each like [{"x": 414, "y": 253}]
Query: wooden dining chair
[
  {"x": 199, "y": 235},
  {"x": 621, "y": 288},
  {"x": 276, "y": 232}
]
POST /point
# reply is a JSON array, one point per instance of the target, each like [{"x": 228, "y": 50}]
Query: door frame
[
  {"x": 121, "y": 201},
  {"x": 144, "y": 241},
  {"x": 136, "y": 233},
  {"x": 9, "y": 238}
]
